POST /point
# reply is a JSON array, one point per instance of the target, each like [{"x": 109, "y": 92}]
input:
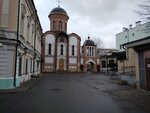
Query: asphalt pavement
[{"x": 71, "y": 93}]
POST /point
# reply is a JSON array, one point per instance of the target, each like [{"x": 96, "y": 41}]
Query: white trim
[{"x": 90, "y": 60}]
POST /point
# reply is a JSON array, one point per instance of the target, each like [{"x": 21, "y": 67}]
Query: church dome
[
  {"x": 58, "y": 10},
  {"x": 89, "y": 42}
]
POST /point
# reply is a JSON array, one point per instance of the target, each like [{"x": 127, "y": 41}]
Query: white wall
[
  {"x": 140, "y": 31},
  {"x": 72, "y": 60},
  {"x": 49, "y": 59},
  {"x": 98, "y": 61},
  {"x": 6, "y": 61},
  {"x": 82, "y": 61},
  {"x": 73, "y": 41},
  {"x": 64, "y": 50},
  {"x": 49, "y": 39}
]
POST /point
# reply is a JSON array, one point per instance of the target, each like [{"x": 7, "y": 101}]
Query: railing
[{"x": 130, "y": 71}]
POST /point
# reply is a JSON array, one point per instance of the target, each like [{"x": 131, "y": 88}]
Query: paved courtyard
[{"x": 72, "y": 93}]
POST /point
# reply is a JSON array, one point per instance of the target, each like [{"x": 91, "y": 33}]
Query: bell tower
[{"x": 58, "y": 19}]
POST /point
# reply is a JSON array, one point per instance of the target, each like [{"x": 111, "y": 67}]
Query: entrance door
[
  {"x": 142, "y": 70},
  {"x": 90, "y": 66},
  {"x": 147, "y": 68},
  {"x": 61, "y": 64}
]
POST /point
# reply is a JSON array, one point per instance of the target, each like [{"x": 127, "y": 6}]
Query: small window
[
  {"x": 65, "y": 26},
  {"x": 133, "y": 34},
  {"x": 60, "y": 24},
  {"x": 61, "y": 49},
  {"x": 111, "y": 61},
  {"x": 72, "y": 50},
  {"x": 31, "y": 65},
  {"x": 87, "y": 51},
  {"x": 49, "y": 49},
  {"x": 54, "y": 24},
  {"x": 92, "y": 51},
  {"x": 103, "y": 64},
  {"x": 120, "y": 46},
  {"x": 26, "y": 66}
]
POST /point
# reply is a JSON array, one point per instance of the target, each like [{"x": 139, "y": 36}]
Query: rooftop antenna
[{"x": 58, "y": 1}]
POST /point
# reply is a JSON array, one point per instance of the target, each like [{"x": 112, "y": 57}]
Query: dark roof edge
[{"x": 137, "y": 42}]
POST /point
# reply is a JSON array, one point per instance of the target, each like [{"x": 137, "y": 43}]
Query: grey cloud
[{"x": 99, "y": 18}]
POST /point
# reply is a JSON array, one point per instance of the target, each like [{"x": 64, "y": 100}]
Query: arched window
[
  {"x": 88, "y": 51},
  {"x": 92, "y": 51},
  {"x": 65, "y": 26},
  {"x": 61, "y": 50},
  {"x": 28, "y": 28},
  {"x": 54, "y": 24},
  {"x": 49, "y": 49},
  {"x": 60, "y": 24},
  {"x": 72, "y": 50},
  {"x": 23, "y": 12}
]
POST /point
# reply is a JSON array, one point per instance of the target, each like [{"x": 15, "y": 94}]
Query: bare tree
[
  {"x": 98, "y": 42},
  {"x": 144, "y": 10}
]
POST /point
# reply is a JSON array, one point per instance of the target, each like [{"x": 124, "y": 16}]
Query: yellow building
[
  {"x": 138, "y": 55},
  {"x": 20, "y": 42}
]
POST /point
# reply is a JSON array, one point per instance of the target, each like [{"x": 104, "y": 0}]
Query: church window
[
  {"x": 60, "y": 24},
  {"x": 49, "y": 49},
  {"x": 72, "y": 50},
  {"x": 92, "y": 51},
  {"x": 87, "y": 51},
  {"x": 54, "y": 24},
  {"x": 61, "y": 49},
  {"x": 65, "y": 26}
]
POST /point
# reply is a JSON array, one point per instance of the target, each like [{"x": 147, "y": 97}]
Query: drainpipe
[
  {"x": 16, "y": 53},
  {"x": 34, "y": 48}
]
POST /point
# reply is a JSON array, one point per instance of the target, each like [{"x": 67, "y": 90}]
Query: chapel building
[{"x": 62, "y": 52}]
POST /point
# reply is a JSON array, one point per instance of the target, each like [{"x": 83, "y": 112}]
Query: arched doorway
[{"x": 90, "y": 66}]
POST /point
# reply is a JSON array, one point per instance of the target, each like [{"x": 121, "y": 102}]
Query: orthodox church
[{"x": 62, "y": 51}]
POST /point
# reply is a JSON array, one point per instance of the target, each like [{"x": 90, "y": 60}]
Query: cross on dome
[{"x": 59, "y": 1}]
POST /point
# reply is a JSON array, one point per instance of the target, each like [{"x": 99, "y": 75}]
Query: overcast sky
[{"x": 98, "y": 18}]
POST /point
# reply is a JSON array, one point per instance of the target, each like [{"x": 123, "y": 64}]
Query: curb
[{"x": 22, "y": 88}]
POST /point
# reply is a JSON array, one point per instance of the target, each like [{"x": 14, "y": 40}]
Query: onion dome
[
  {"x": 58, "y": 10},
  {"x": 89, "y": 42}
]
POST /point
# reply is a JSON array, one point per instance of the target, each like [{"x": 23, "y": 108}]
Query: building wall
[
  {"x": 87, "y": 58},
  {"x": 130, "y": 61},
  {"x": 57, "y": 18},
  {"x": 6, "y": 63},
  {"x": 74, "y": 61},
  {"x": 137, "y": 69},
  {"x": 25, "y": 61},
  {"x": 131, "y": 34}
]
